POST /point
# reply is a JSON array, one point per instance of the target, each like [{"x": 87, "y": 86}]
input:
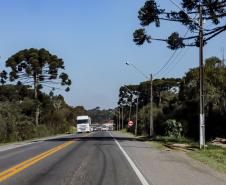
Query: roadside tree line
[
  {"x": 176, "y": 103},
  {"x": 27, "y": 112},
  {"x": 191, "y": 14}
]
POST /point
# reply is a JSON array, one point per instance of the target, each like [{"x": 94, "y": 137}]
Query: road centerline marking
[
  {"x": 132, "y": 164},
  {"x": 25, "y": 164}
]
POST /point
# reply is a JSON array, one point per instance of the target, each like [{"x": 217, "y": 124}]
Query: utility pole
[
  {"x": 151, "y": 107},
  {"x": 130, "y": 106},
  {"x": 223, "y": 60},
  {"x": 136, "y": 115},
  {"x": 130, "y": 110},
  {"x": 122, "y": 117},
  {"x": 201, "y": 85},
  {"x": 151, "y": 96},
  {"x": 119, "y": 118}
]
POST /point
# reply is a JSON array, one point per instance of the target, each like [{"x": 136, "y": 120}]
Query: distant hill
[{"x": 100, "y": 116}]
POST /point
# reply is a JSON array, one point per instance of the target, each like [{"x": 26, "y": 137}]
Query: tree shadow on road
[{"x": 99, "y": 137}]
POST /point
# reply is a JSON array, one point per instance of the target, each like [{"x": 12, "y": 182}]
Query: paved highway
[
  {"x": 98, "y": 158},
  {"x": 85, "y": 159}
]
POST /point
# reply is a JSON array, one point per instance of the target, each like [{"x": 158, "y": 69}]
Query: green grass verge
[
  {"x": 170, "y": 140},
  {"x": 124, "y": 131},
  {"x": 157, "y": 145},
  {"x": 161, "y": 142},
  {"x": 213, "y": 156}
]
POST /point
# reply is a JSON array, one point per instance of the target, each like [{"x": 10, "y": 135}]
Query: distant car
[
  {"x": 99, "y": 128},
  {"x": 111, "y": 128},
  {"x": 104, "y": 128}
]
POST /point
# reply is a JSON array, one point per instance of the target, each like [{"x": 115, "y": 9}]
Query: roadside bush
[
  {"x": 144, "y": 119},
  {"x": 25, "y": 130},
  {"x": 27, "y": 106},
  {"x": 173, "y": 128},
  {"x": 159, "y": 120},
  {"x": 63, "y": 127},
  {"x": 9, "y": 116},
  {"x": 3, "y": 130},
  {"x": 72, "y": 129},
  {"x": 17, "y": 113},
  {"x": 43, "y": 131}
]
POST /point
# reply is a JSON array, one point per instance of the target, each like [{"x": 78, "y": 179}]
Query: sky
[{"x": 94, "y": 38}]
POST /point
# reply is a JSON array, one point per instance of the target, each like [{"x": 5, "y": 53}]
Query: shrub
[
  {"x": 25, "y": 130},
  {"x": 144, "y": 118},
  {"x": 42, "y": 131},
  {"x": 173, "y": 128},
  {"x": 3, "y": 130},
  {"x": 72, "y": 129}
]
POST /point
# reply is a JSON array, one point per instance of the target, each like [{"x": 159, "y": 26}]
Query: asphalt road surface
[{"x": 81, "y": 159}]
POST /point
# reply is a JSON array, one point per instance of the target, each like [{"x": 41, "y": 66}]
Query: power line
[
  {"x": 175, "y": 64},
  {"x": 168, "y": 61},
  {"x": 136, "y": 68},
  {"x": 166, "y": 70},
  {"x": 165, "y": 66}
]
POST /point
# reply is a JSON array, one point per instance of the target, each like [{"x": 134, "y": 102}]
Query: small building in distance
[{"x": 110, "y": 124}]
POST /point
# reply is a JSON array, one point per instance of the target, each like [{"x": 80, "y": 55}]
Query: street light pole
[
  {"x": 151, "y": 107},
  {"x": 151, "y": 96},
  {"x": 117, "y": 112},
  {"x": 201, "y": 85},
  {"x": 122, "y": 118},
  {"x": 130, "y": 106},
  {"x": 136, "y": 122},
  {"x": 130, "y": 110},
  {"x": 136, "y": 115},
  {"x": 119, "y": 119}
]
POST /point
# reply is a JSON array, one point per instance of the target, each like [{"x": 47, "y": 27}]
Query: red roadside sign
[{"x": 130, "y": 123}]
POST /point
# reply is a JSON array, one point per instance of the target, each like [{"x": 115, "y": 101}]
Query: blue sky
[{"x": 94, "y": 37}]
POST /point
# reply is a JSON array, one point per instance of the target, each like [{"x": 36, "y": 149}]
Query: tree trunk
[
  {"x": 160, "y": 98},
  {"x": 37, "y": 112}
]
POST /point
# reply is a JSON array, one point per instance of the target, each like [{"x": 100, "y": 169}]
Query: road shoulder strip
[{"x": 132, "y": 164}]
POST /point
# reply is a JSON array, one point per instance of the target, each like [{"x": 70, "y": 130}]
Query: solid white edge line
[{"x": 136, "y": 170}]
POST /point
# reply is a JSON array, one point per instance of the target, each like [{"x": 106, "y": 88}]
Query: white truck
[{"x": 83, "y": 124}]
